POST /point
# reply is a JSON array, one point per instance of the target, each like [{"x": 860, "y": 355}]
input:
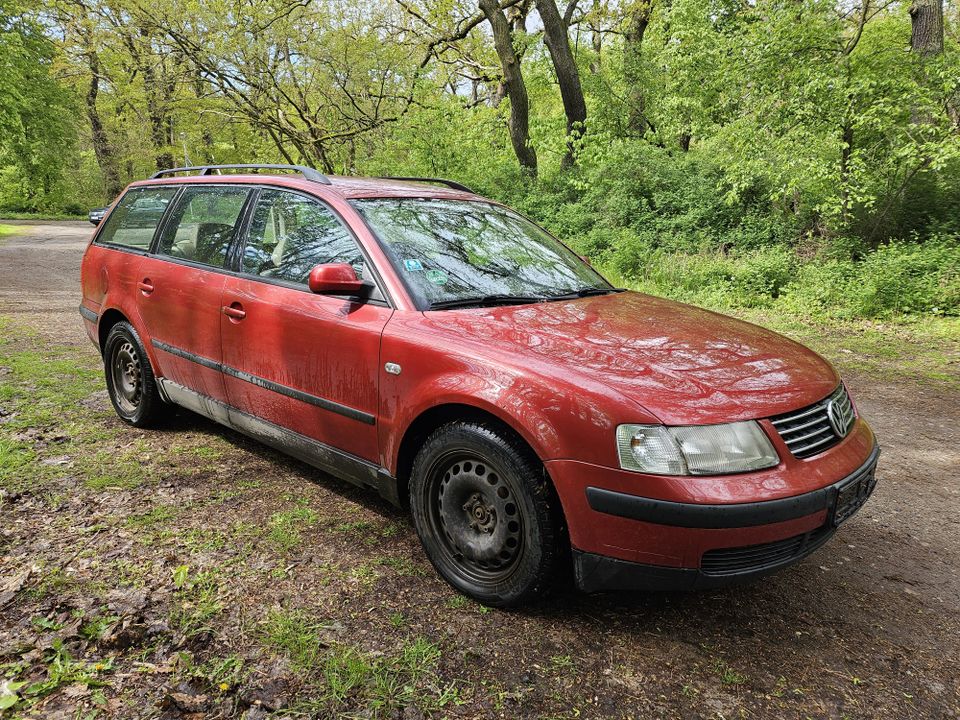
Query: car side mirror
[{"x": 336, "y": 279}]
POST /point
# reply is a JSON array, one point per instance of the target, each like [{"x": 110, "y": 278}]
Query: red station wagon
[{"x": 408, "y": 335}]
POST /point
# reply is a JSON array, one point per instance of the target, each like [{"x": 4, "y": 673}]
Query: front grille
[
  {"x": 753, "y": 558},
  {"x": 816, "y": 427}
]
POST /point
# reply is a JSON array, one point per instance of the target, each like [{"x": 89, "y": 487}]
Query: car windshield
[{"x": 454, "y": 253}]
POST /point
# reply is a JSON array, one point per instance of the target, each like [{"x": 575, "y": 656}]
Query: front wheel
[
  {"x": 486, "y": 514},
  {"x": 130, "y": 380}
]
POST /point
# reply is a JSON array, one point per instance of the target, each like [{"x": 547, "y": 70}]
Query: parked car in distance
[
  {"x": 96, "y": 215},
  {"x": 410, "y": 336}
]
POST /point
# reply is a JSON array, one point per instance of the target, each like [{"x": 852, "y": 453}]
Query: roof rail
[
  {"x": 307, "y": 172},
  {"x": 437, "y": 181}
]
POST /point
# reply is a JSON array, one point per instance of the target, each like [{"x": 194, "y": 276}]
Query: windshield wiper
[
  {"x": 584, "y": 292},
  {"x": 486, "y": 300}
]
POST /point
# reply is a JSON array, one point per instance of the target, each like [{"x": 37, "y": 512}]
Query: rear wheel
[
  {"x": 130, "y": 380},
  {"x": 485, "y": 512}
]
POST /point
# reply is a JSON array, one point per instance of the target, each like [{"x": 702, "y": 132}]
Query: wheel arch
[
  {"x": 435, "y": 417},
  {"x": 107, "y": 320}
]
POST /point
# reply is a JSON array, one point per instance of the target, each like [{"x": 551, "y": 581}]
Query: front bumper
[{"x": 775, "y": 534}]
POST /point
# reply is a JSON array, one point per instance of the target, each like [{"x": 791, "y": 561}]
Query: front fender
[{"x": 559, "y": 417}]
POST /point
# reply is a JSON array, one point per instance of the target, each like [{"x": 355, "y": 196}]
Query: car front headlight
[{"x": 695, "y": 449}]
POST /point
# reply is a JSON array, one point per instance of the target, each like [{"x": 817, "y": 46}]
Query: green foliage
[
  {"x": 62, "y": 670},
  {"x": 37, "y": 127},
  {"x": 795, "y": 155},
  {"x": 901, "y": 278}
]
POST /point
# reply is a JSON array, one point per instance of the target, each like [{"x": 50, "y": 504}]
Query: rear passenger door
[
  {"x": 180, "y": 285},
  {"x": 305, "y": 362},
  {"x": 112, "y": 264}
]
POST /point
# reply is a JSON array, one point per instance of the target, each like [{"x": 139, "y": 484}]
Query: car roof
[{"x": 346, "y": 187}]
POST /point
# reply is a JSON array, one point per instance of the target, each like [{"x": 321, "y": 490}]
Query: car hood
[{"x": 685, "y": 365}]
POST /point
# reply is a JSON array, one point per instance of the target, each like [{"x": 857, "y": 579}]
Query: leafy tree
[{"x": 36, "y": 129}]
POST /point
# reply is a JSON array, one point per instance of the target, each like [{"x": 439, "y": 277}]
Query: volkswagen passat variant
[{"x": 410, "y": 336}]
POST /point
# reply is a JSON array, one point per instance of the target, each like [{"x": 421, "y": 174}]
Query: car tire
[
  {"x": 131, "y": 383},
  {"x": 487, "y": 514}
]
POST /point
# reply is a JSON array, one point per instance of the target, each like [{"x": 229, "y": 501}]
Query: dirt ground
[{"x": 190, "y": 572}]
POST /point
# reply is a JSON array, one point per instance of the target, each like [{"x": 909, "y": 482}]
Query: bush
[{"x": 896, "y": 279}]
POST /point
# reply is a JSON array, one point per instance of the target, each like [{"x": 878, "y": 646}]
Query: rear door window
[
  {"x": 134, "y": 220},
  {"x": 203, "y": 224}
]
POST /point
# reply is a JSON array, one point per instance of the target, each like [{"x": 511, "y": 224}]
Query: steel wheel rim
[
  {"x": 126, "y": 377},
  {"x": 476, "y": 517}
]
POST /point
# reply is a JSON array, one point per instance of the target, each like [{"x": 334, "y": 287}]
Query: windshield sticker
[
  {"x": 437, "y": 277},
  {"x": 412, "y": 265}
]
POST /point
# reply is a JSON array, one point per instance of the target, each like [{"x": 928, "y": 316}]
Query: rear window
[{"x": 135, "y": 218}]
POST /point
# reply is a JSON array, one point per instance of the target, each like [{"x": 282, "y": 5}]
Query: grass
[
  {"x": 107, "y": 471},
  {"x": 93, "y": 628},
  {"x": 233, "y": 552},
  {"x": 385, "y": 683},
  {"x": 727, "y": 675},
  {"x": 219, "y": 673},
  {"x": 296, "y": 635},
  {"x": 403, "y": 566},
  {"x": 286, "y": 527},
  {"x": 8, "y": 230},
  {"x": 198, "y": 600},
  {"x": 11, "y": 215},
  {"x": 342, "y": 676},
  {"x": 41, "y": 388},
  {"x": 62, "y": 670},
  {"x": 157, "y": 516}
]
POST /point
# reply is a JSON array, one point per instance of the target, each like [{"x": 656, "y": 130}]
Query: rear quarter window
[{"x": 134, "y": 220}]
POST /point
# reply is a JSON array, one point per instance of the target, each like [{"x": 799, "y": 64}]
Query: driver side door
[{"x": 304, "y": 362}]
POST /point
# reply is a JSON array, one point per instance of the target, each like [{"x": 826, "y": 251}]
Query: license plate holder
[{"x": 852, "y": 495}]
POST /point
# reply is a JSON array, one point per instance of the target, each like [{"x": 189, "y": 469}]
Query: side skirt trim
[
  {"x": 336, "y": 462},
  {"x": 89, "y": 314},
  {"x": 290, "y": 392}
]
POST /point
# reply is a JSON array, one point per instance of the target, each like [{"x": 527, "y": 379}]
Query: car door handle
[
  {"x": 234, "y": 312},
  {"x": 145, "y": 286}
]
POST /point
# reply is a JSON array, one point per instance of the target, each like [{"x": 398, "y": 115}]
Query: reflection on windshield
[{"x": 452, "y": 250}]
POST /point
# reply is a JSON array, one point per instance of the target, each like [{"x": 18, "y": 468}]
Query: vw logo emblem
[{"x": 837, "y": 419}]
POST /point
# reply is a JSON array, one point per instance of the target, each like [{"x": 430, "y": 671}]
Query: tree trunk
[
  {"x": 568, "y": 76},
  {"x": 596, "y": 41},
  {"x": 926, "y": 21},
  {"x": 515, "y": 87},
  {"x": 156, "y": 106},
  {"x": 102, "y": 148},
  {"x": 845, "y": 153},
  {"x": 926, "y": 39},
  {"x": 638, "y": 18},
  {"x": 206, "y": 136}
]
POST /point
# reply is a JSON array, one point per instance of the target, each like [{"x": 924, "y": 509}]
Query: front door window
[{"x": 290, "y": 234}]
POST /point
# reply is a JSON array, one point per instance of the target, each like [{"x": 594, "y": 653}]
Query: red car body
[{"x": 563, "y": 375}]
